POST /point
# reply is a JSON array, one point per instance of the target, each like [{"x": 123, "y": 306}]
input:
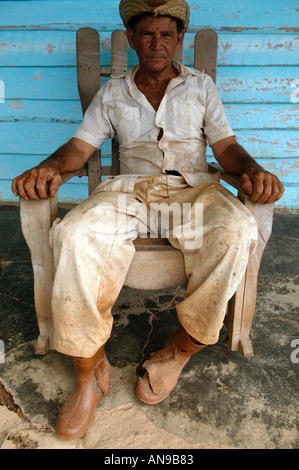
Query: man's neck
[{"x": 147, "y": 78}]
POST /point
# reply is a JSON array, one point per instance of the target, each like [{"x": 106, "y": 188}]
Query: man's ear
[
  {"x": 180, "y": 40},
  {"x": 130, "y": 37}
]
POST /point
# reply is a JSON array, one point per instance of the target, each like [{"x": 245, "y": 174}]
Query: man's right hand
[
  {"x": 44, "y": 180},
  {"x": 38, "y": 183}
]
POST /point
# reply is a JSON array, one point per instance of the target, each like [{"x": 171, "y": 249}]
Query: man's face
[{"x": 155, "y": 41}]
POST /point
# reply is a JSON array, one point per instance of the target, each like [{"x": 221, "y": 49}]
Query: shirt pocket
[
  {"x": 126, "y": 122},
  {"x": 187, "y": 120}
]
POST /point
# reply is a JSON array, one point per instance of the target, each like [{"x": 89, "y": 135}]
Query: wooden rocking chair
[{"x": 156, "y": 264}]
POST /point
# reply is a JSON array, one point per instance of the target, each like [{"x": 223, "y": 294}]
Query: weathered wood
[
  {"x": 241, "y": 308},
  {"x": 205, "y": 52},
  {"x": 69, "y": 16},
  {"x": 156, "y": 269},
  {"x": 251, "y": 84},
  {"x": 119, "y": 65},
  {"x": 23, "y": 49},
  {"x": 285, "y": 168},
  {"x": 163, "y": 264},
  {"x": 118, "y": 53},
  {"x": 36, "y": 220},
  {"x": 264, "y": 143},
  {"x": 88, "y": 73},
  {"x": 88, "y": 65}
]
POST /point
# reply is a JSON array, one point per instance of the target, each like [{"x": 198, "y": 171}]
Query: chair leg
[
  {"x": 36, "y": 220},
  {"x": 241, "y": 307}
]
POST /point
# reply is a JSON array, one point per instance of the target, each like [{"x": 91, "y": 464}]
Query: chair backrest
[{"x": 89, "y": 73}]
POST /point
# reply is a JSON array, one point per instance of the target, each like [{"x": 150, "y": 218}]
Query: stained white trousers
[{"x": 93, "y": 248}]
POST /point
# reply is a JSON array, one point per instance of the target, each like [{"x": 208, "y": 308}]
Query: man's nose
[{"x": 156, "y": 43}]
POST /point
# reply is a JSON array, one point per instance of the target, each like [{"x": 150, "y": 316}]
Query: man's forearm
[
  {"x": 66, "y": 159},
  {"x": 235, "y": 159}
]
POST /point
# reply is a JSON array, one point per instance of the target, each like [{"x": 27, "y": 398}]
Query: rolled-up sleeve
[
  {"x": 216, "y": 125},
  {"x": 95, "y": 127}
]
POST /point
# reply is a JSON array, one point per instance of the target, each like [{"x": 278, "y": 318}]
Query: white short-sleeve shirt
[{"x": 190, "y": 114}]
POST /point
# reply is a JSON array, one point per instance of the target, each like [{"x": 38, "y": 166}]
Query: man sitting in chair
[{"x": 162, "y": 114}]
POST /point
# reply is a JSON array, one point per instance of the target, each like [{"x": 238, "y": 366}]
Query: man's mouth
[{"x": 156, "y": 57}]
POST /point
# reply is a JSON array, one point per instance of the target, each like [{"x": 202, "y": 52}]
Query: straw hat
[{"x": 175, "y": 8}]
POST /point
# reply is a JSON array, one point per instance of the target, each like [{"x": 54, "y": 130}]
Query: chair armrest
[
  {"x": 230, "y": 178},
  {"x": 36, "y": 220},
  {"x": 67, "y": 176},
  {"x": 263, "y": 213}
]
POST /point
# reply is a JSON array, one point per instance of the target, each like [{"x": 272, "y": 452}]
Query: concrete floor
[{"x": 222, "y": 399}]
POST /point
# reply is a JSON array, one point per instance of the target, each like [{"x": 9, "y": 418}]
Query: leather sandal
[
  {"x": 163, "y": 368},
  {"x": 94, "y": 380}
]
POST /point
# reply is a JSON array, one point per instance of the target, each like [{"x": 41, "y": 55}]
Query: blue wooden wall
[{"x": 258, "y": 79}]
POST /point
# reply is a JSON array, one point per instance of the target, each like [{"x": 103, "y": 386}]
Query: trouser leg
[
  {"x": 214, "y": 269},
  {"x": 93, "y": 249}
]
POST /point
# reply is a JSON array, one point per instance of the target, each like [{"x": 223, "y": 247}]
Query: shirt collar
[{"x": 184, "y": 72}]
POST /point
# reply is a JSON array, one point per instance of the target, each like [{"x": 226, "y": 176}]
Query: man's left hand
[{"x": 262, "y": 186}]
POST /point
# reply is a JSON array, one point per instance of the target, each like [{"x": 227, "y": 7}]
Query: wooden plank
[
  {"x": 36, "y": 15},
  {"x": 68, "y": 111},
  {"x": 88, "y": 65},
  {"x": 58, "y": 48},
  {"x": 256, "y": 84},
  {"x": 50, "y": 48},
  {"x": 258, "y": 49},
  {"x": 119, "y": 65},
  {"x": 58, "y": 83},
  {"x": 36, "y": 138},
  {"x": 38, "y": 48},
  {"x": 88, "y": 73},
  {"x": 71, "y": 193},
  {"x": 240, "y": 115},
  {"x": 235, "y": 84},
  {"x": 250, "y": 49},
  {"x": 42, "y": 138},
  {"x": 162, "y": 269},
  {"x": 262, "y": 115},
  {"x": 242, "y": 307},
  {"x": 36, "y": 221},
  {"x": 205, "y": 52},
  {"x": 286, "y": 169}
]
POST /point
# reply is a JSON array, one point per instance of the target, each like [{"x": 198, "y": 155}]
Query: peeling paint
[
  {"x": 37, "y": 78},
  {"x": 15, "y": 104},
  {"x": 50, "y": 48}
]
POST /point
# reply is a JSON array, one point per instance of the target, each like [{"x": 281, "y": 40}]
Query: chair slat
[
  {"x": 205, "y": 52},
  {"x": 119, "y": 61},
  {"x": 88, "y": 65},
  {"x": 89, "y": 75},
  {"x": 119, "y": 65}
]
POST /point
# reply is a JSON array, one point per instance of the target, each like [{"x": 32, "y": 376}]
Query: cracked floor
[{"x": 222, "y": 399}]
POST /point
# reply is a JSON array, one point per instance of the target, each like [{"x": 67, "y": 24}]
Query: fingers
[
  {"x": 33, "y": 183},
  {"x": 263, "y": 187},
  {"x": 55, "y": 182},
  {"x": 24, "y": 186},
  {"x": 247, "y": 184}
]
